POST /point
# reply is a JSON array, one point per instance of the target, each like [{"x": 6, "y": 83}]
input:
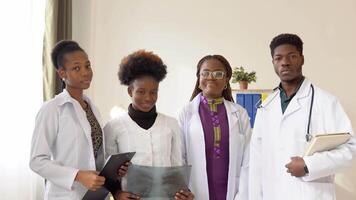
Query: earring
[
  {"x": 63, "y": 79},
  {"x": 225, "y": 87}
]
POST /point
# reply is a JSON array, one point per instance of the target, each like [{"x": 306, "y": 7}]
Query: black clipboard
[{"x": 110, "y": 173}]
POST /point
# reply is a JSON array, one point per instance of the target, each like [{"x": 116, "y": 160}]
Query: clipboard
[
  {"x": 110, "y": 173},
  {"x": 325, "y": 142}
]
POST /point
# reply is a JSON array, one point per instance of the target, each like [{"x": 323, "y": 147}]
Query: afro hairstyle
[{"x": 141, "y": 63}]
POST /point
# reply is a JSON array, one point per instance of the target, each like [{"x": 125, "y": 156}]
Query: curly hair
[
  {"x": 141, "y": 63},
  {"x": 60, "y": 49},
  {"x": 227, "y": 94},
  {"x": 286, "y": 38}
]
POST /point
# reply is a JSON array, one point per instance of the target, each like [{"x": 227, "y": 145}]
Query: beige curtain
[{"x": 58, "y": 27}]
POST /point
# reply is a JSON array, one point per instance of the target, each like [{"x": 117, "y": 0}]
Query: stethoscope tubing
[{"x": 308, "y": 136}]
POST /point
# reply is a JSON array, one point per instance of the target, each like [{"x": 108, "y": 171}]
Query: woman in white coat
[
  {"x": 216, "y": 134},
  {"x": 67, "y": 143},
  {"x": 153, "y": 136}
]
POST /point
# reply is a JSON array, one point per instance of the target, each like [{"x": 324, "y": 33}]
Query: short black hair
[
  {"x": 286, "y": 38},
  {"x": 141, "y": 63},
  {"x": 60, "y": 49}
]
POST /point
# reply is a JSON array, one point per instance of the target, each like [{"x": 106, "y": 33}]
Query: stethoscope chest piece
[{"x": 308, "y": 137}]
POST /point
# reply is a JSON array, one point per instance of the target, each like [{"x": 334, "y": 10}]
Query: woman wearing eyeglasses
[{"x": 216, "y": 134}]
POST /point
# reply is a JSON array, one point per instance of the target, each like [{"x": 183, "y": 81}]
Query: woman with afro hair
[{"x": 154, "y": 137}]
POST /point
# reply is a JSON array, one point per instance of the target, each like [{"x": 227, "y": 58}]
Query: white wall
[{"x": 182, "y": 32}]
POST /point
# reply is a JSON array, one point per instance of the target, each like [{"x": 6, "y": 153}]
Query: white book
[{"x": 325, "y": 142}]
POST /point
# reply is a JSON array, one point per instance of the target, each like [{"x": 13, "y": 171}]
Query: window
[{"x": 21, "y": 39}]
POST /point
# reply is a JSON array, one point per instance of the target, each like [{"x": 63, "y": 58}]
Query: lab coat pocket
[
  {"x": 56, "y": 192},
  {"x": 318, "y": 191},
  {"x": 67, "y": 131},
  {"x": 242, "y": 180},
  {"x": 66, "y": 124},
  {"x": 240, "y": 148},
  {"x": 317, "y": 125},
  {"x": 300, "y": 146}
]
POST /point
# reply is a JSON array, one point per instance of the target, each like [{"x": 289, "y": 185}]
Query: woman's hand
[
  {"x": 122, "y": 195},
  {"x": 184, "y": 195},
  {"x": 90, "y": 179},
  {"x": 122, "y": 171}
]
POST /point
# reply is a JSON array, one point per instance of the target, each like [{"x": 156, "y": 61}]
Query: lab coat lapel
[
  {"x": 197, "y": 141},
  {"x": 234, "y": 144},
  {"x": 292, "y": 107},
  {"x": 295, "y": 104},
  {"x": 196, "y": 123},
  {"x": 232, "y": 117},
  {"x": 81, "y": 116},
  {"x": 83, "y": 120}
]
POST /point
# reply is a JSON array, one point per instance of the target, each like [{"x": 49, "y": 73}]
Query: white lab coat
[
  {"x": 158, "y": 146},
  {"x": 194, "y": 149},
  {"x": 277, "y": 137},
  {"x": 62, "y": 145}
]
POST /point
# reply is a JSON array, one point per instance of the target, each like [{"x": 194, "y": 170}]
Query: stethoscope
[{"x": 308, "y": 136}]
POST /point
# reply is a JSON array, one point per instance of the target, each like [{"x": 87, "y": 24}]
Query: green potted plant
[{"x": 243, "y": 77}]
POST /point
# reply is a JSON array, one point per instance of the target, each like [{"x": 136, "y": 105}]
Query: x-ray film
[{"x": 157, "y": 182}]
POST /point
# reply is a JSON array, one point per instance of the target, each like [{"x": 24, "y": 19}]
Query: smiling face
[
  {"x": 144, "y": 93},
  {"x": 212, "y": 87},
  {"x": 76, "y": 70},
  {"x": 288, "y": 62}
]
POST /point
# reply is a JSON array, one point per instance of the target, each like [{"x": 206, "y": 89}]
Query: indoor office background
[{"x": 181, "y": 32}]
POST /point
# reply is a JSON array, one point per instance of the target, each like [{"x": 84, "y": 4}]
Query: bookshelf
[{"x": 250, "y": 100}]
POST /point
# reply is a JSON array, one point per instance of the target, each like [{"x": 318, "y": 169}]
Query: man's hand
[
  {"x": 296, "y": 167},
  {"x": 121, "y": 195},
  {"x": 90, "y": 179},
  {"x": 122, "y": 171},
  {"x": 184, "y": 195}
]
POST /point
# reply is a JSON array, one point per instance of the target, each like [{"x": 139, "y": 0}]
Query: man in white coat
[{"x": 278, "y": 169}]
